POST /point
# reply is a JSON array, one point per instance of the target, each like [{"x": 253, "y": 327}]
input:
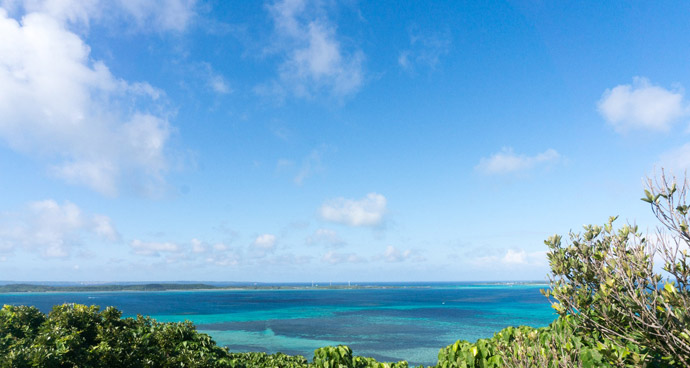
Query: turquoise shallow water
[{"x": 386, "y": 323}]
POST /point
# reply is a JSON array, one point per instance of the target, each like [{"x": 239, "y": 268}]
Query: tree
[{"x": 607, "y": 281}]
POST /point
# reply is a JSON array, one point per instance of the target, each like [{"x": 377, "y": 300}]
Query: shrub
[
  {"x": 605, "y": 279},
  {"x": 75, "y": 335}
]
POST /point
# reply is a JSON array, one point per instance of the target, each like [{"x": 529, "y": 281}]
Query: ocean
[{"x": 387, "y": 322}]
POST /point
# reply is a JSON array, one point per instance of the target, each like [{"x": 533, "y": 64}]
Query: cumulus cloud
[
  {"x": 314, "y": 60},
  {"x": 642, "y": 106},
  {"x": 334, "y": 257},
  {"x": 326, "y": 237},
  {"x": 59, "y": 105},
  {"x": 265, "y": 242},
  {"x": 368, "y": 211},
  {"x": 507, "y": 161},
  {"x": 52, "y": 230},
  {"x": 514, "y": 257}
]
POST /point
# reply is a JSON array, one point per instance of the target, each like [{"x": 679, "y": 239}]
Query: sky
[{"x": 319, "y": 140}]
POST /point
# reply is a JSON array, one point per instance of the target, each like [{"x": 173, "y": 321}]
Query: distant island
[
  {"x": 33, "y": 288},
  {"x": 41, "y": 288}
]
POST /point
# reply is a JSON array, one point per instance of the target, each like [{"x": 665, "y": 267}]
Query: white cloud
[
  {"x": 334, "y": 257},
  {"x": 198, "y": 246},
  {"x": 214, "y": 81},
  {"x": 326, "y": 237},
  {"x": 311, "y": 164},
  {"x": 220, "y": 247},
  {"x": 314, "y": 59},
  {"x": 426, "y": 49},
  {"x": 506, "y": 161},
  {"x": 225, "y": 258},
  {"x": 218, "y": 84},
  {"x": 642, "y": 106},
  {"x": 104, "y": 228},
  {"x": 392, "y": 254},
  {"x": 166, "y": 15},
  {"x": 512, "y": 257},
  {"x": 368, "y": 211},
  {"x": 51, "y": 229},
  {"x": 146, "y": 15},
  {"x": 265, "y": 242},
  {"x": 515, "y": 257},
  {"x": 153, "y": 248},
  {"x": 59, "y": 105}
]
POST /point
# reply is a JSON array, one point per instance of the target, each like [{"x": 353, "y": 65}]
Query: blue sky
[{"x": 302, "y": 140}]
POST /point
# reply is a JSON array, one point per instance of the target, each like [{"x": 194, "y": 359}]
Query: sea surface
[{"x": 388, "y": 322}]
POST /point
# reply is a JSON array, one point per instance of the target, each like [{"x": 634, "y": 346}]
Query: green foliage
[
  {"x": 251, "y": 360},
  {"x": 341, "y": 357},
  {"x": 606, "y": 281},
  {"x": 74, "y": 335},
  {"x": 80, "y": 336},
  {"x": 559, "y": 345}
]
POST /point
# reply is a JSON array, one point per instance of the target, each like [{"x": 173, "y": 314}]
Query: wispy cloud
[
  {"x": 507, "y": 161},
  {"x": 395, "y": 255},
  {"x": 425, "y": 49},
  {"x": 676, "y": 159},
  {"x": 215, "y": 81},
  {"x": 367, "y": 211},
  {"x": 334, "y": 257},
  {"x": 642, "y": 105},
  {"x": 143, "y": 15},
  {"x": 314, "y": 60},
  {"x": 310, "y": 165},
  {"x": 511, "y": 257},
  {"x": 325, "y": 237},
  {"x": 153, "y": 249}
]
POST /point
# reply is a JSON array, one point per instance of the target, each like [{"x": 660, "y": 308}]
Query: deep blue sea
[{"x": 389, "y": 324}]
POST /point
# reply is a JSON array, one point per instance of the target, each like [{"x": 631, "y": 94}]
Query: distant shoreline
[{"x": 153, "y": 287}]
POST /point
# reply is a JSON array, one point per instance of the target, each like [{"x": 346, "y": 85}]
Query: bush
[
  {"x": 75, "y": 335},
  {"x": 559, "y": 345},
  {"x": 606, "y": 280}
]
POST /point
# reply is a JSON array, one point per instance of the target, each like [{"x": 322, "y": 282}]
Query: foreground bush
[
  {"x": 558, "y": 345},
  {"x": 74, "y": 335},
  {"x": 606, "y": 279},
  {"x": 80, "y": 336}
]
